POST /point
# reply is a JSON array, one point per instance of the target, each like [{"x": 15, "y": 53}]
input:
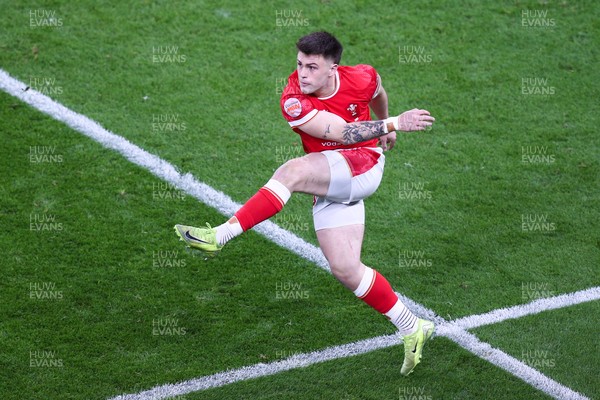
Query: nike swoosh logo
[
  {"x": 187, "y": 235},
  {"x": 415, "y": 349}
]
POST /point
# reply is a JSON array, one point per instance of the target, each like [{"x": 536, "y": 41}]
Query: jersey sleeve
[
  {"x": 372, "y": 80},
  {"x": 297, "y": 109}
]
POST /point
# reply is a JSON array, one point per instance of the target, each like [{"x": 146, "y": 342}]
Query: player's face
[{"x": 316, "y": 74}]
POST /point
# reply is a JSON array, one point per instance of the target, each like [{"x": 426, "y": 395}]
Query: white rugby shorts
[{"x": 355, "y": 175}]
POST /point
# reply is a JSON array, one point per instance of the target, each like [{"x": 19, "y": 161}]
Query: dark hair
[{"x": 321, "y": 43}]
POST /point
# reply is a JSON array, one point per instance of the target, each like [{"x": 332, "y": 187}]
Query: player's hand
[
  {"x": 388, "y": 141},
  {"x": 415, "y": 120}
]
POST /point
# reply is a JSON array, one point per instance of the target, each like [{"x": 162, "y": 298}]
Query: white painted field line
[
  {"x": 208, "y": 196},
  {"x": 534, "y": 307},
  {"x": 261, "y": 370}
]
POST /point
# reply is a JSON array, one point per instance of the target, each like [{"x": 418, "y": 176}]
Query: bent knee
[
  {"x": 293, "y": 166},
  {"x": 347, "y": 273},
  {"x": 290, "y": 173},
  {"x": 303, "y": 173}
]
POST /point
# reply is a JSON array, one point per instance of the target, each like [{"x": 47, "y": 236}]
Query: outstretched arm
[{"x": 326, "y": 125}]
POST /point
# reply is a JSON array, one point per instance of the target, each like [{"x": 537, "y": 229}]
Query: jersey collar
[{"x": 337, "y": 87}]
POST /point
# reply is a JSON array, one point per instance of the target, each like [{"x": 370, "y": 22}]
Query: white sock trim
[
  {"x": 365, "y": 283},
  {"x": 227, "y": 231},
  {"x": 403, "y": 318},
  {"x": 279, "y": 190}
]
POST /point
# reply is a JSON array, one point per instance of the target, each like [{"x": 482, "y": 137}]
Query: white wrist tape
[{"x": 390, "y": 124}]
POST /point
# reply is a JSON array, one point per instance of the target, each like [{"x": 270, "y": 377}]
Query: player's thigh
[{"x": 308, "y": 174}]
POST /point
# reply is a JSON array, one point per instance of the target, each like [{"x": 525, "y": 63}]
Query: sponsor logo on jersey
[{"x": 292, "y": 107}]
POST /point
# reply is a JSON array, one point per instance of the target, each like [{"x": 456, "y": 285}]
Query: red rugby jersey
[{"x": 355, "y": 88}]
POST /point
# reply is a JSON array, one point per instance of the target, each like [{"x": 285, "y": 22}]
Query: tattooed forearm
[
  {"x": 361, "y": 131},
  {"x": 327, "y": 130}
]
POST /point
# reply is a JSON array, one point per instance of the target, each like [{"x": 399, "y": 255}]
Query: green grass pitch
[{"x": 497, "y": 205}]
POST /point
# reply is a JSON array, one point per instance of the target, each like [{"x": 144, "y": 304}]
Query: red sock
[
  {"x": 376, "y": 291},
  {"x": 268, "y": 201}
]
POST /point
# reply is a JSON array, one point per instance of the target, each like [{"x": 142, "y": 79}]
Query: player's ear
[{"x": 333, "y": 69}]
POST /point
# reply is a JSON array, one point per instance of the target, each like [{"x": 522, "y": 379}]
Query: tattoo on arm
[
  {"x": 362, "y": 131},
  {"x": 327, "y": 130}
]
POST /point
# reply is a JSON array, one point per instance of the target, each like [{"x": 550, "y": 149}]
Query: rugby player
[{"x": 329, "y": 106}]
